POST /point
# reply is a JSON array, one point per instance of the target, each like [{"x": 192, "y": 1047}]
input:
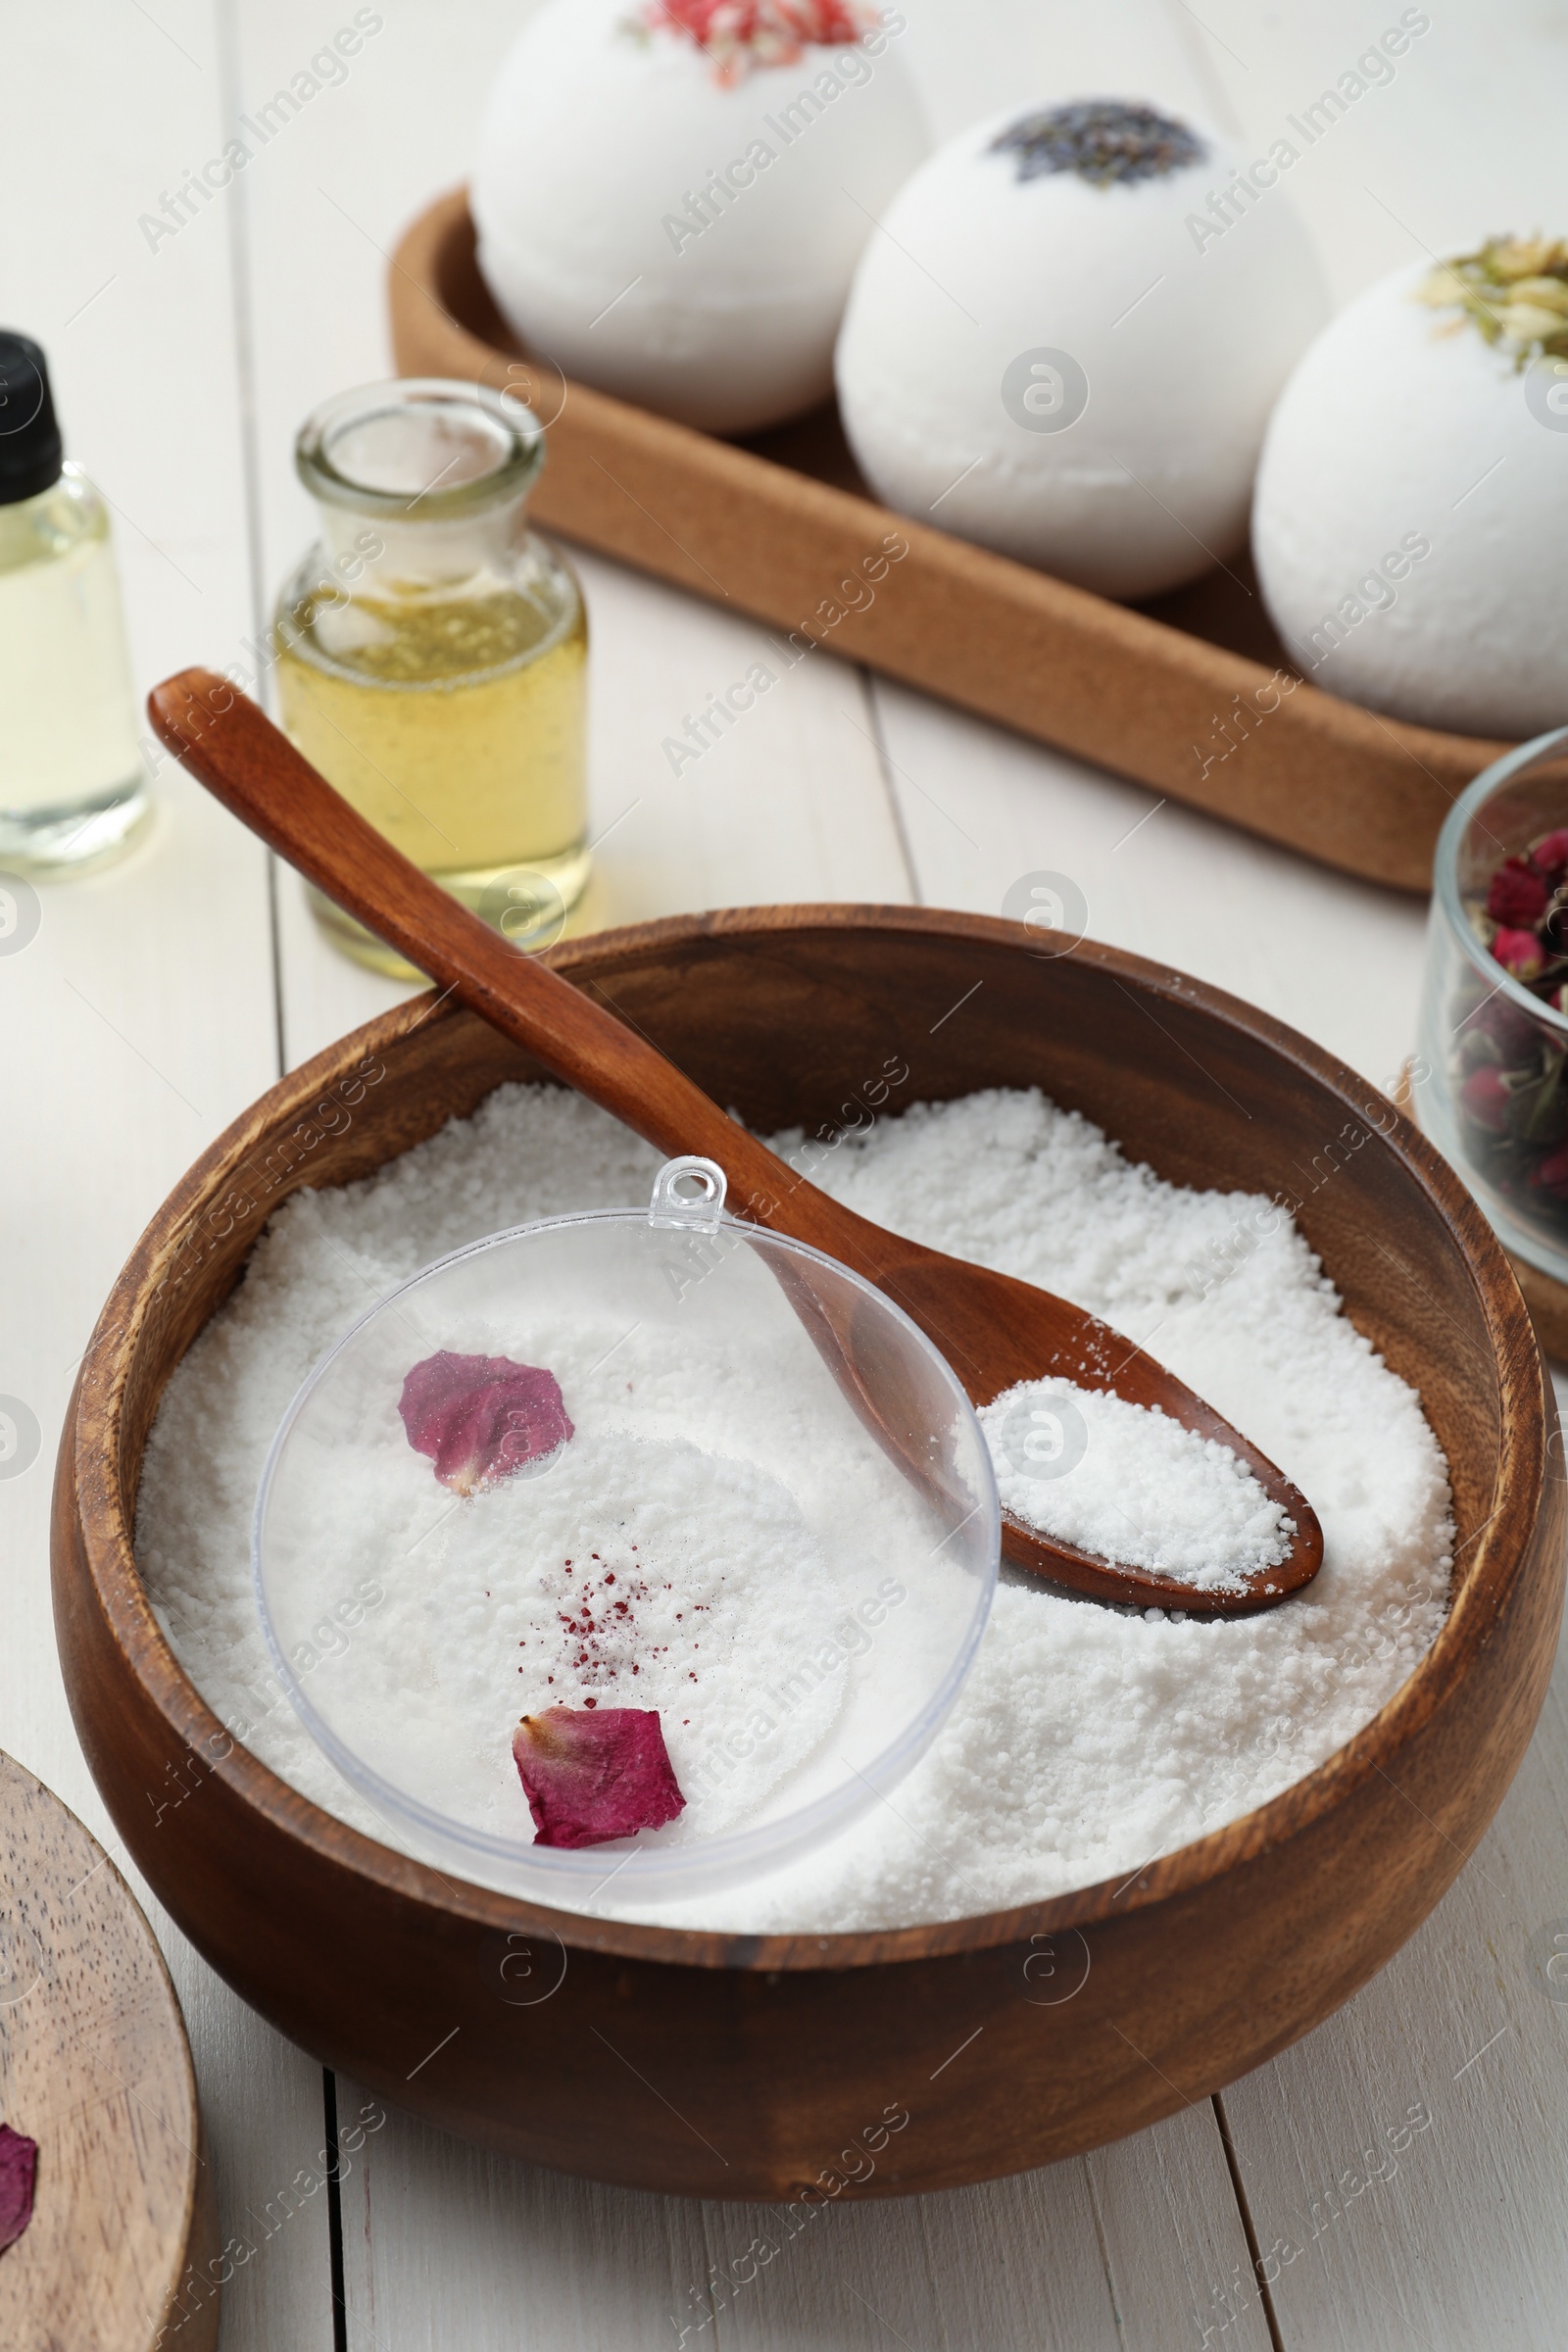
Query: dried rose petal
[
  {"x": 1518, "y": 896},
  {"x": 1550, "y": 856},
  {"x": 481, "y": 1417},
  {"x": 1513, "y": 1031},
  {"x": 19, "y": 2165},
  {"x": 1486, "y": 1097},
  {"x": 1519, "y": 953},
  {"x": 590, "y": 1777},
  {"x": 738, "y": 35}
]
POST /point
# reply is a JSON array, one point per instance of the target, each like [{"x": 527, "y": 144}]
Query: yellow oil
[{"x": 455, "y": 724}]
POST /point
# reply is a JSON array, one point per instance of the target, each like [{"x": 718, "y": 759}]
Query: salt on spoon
[
  {"x": 994, "y": 1330},
  {"x": 1128, "y": 1483}
]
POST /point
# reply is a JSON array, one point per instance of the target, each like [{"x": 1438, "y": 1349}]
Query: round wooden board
[{"x": 95, "y": 2067}]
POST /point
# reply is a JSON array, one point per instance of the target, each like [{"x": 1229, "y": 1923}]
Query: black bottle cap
[{"x": 30, "y": 451}]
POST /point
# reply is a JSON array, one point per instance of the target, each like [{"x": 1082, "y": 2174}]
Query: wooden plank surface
[
  {"x": 1446, "y": 2234},
  {"x": 983, "y": 810},
  {"x": 1409, "y": 2160},
  {"x": 139, "y": 1020},
  {"x": 1460, "y": 142},
  {"x": 1116, "y": 2252}
]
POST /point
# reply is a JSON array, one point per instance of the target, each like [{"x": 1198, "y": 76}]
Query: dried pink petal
[
  {"x": 1486, "y": 1096},
  {"x": 591, "y": 1777},
  {"x": 481, "y": 1417},
  {"x": 19, "y": 2165},
  {"x": 738, "y": 35},
  {"x": 1517, "y": 895},
  {"x": 1519, "y": 952}
]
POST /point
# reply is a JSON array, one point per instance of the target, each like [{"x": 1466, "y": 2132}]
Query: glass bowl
[
  {"x": 1491, "y": 1083},
  {"x": 615, "y": 1470}
]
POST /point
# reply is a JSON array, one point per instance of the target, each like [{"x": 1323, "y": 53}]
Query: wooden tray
[
  {"x": 121, "y": 2252},
  {"x": 1189, "y": 696}
]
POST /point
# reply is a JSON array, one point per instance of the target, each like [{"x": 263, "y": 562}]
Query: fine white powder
[
  {"x": 1129, "y": 1483},
  {"x": 1087, "y": 1739}
]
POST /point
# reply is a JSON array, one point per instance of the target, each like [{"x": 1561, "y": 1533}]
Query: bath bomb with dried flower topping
[
  {"x": 671, "y": 195},
  {"x": 1068, "y": 344},
  {"x": 1408, "y": 528}
]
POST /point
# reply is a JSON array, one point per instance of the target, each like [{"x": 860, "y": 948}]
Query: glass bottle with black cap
[{"x": 73, "y": 786}]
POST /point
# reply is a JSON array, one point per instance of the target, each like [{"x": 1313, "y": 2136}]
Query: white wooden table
[{"x": 157, "y": 1000}]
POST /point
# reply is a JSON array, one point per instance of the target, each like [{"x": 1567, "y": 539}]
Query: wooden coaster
[
  {"x": 1547, "y": 1301},
  {"x": 121, "y": 2252}
]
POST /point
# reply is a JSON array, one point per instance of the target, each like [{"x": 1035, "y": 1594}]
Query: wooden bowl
[
  {"x": 741, "y": 2066},
  {"x": 1192, "y": 695}
]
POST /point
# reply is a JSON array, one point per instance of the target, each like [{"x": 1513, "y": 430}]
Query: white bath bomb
[
  {"x": 1409, "y": 524},
  {"x": 679, "y": 223},
  {"x": 1068, "y": 342}
]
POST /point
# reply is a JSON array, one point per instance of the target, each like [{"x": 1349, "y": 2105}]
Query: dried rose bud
[
  {"x": 18, "y": 2167},
  {"x": 1550, "y": 856},
  {"x": 592, "y": 1777},
  {"x": 1511, "y": 1028},
  {"x": 1476, "y": 1048},
  {"x": 1519, "y": 953},
  {"x": 1551, "y": 1173},
  {"x": 481, "y": 1418},
  {"x": 1518, "y": 896},
  {"x": 1486, "y": 1096}
]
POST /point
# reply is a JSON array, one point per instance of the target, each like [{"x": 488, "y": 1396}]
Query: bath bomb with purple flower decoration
[{"x": 1068, "y": 344}]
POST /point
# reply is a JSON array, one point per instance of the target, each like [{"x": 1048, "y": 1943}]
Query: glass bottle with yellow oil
[{"x": 432, "y": 652}]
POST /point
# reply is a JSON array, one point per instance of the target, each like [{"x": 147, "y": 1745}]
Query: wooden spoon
[{"x": 994, "y": 1331}]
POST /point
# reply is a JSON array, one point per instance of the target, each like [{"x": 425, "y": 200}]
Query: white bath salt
[
  {"x": 1132, "y": 1485},
  {"x": 629, "y": 1575},
  {"x": 716, "y": 1563},
  {"x": 1086, "y": 1740}
]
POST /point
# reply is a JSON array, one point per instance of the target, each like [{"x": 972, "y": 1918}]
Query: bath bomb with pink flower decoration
[{"x": 672, "y": 195}]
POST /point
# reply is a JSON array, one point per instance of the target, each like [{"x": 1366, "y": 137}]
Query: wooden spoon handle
[
  {"x": 248, "y": 764},
  {"x": 994, "y": 1331}
]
